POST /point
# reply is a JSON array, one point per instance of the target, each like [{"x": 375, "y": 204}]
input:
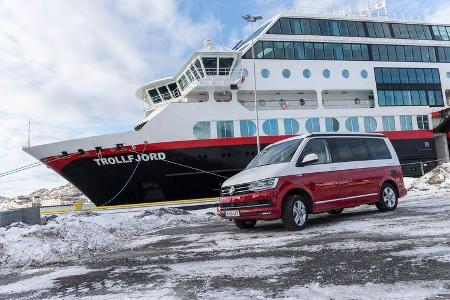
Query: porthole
[
  {"x": 261, "y": 103},
  {"x": 265, "y": 73},
  {"x": 286, "y": 73},
  {"x": 345, "y": 73},
  {"x": 326, "y": 73},
  {"x": 364, "y": 74},
  {"x": 306, "y": 73}
]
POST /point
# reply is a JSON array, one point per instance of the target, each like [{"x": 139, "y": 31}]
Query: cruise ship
[{"x": 312, "y": 72}]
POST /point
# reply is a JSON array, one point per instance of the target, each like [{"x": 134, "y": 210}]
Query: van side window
[
  {"x": 319, "y": 147},
  {"x": 378, "y": 149},
  {"x": 350, "y": 150}
]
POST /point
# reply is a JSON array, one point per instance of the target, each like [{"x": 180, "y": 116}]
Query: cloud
[{"x": 73, "y": 67}]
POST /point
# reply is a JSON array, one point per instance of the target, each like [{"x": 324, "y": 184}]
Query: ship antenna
[{"x": 220, "y": 27}]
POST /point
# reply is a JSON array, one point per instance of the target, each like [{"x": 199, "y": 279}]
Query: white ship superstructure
[{"x": 314, "y": 73}]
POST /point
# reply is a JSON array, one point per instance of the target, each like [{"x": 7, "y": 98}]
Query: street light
[{"x": 253, "y": 19}]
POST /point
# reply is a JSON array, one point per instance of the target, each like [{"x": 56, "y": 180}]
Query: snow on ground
[
  {"x": 434, "y": 182},
  {"x": 71, "y": 237}
]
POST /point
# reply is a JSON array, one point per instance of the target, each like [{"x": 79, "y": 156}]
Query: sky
[{"x": 72, "y": 67}]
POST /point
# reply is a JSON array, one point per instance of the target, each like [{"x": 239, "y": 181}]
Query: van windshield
[{"x": 278, "y": 153}]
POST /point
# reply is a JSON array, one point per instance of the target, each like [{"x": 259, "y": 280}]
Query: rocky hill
[{"x": 65, "y": 194}]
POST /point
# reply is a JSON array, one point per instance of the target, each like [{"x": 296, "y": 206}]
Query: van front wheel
[
  {"x": 295, "y": 212},
  {"x": 388, "y": 198}
]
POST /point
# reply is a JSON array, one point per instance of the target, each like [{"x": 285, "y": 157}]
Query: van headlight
[{"x": 263, "y": 184}]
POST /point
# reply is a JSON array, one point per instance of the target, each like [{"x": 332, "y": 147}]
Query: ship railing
[
  {"x": 279, "y": 104},
  {"x": 348, "y": 103},
  {"x": 368, "y": 13}
]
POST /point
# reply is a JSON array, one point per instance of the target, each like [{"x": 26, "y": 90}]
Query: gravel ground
[{"x": 361, "y": 254}]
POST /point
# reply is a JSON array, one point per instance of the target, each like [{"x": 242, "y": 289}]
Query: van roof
[{"x": 309, "y": 135}]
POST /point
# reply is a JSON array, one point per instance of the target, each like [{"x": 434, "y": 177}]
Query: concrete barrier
[{"x": 28, "y": 215}]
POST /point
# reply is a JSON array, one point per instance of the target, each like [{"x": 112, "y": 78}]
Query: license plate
[{"x": 232, "y": 213}]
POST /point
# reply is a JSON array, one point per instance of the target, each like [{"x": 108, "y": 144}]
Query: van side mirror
[{"x": 309, "y": 159}]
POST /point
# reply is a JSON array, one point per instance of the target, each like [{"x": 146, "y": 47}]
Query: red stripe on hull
[{"x": 57, "y": 163}]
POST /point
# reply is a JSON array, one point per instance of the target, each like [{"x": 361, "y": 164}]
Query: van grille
[
  {"x": 249, "y": 204},
  {"x": 239, "y": 189}
]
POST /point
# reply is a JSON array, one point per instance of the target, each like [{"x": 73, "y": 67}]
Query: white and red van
[{"x": 312, "y": 174}]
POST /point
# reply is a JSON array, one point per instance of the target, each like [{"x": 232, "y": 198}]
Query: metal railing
[
  {"x": 420, "y": 168},
  {"x": 281, "y": 104},
  {"x": 349, "y": 103}
]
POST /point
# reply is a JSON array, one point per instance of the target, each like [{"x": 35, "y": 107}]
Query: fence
[
  {"x": 417, "y": 169},
  {"x": 28, "y": 215}
]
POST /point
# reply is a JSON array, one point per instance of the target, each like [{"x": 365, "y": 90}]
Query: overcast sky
[{"x": 73, "y": 66}]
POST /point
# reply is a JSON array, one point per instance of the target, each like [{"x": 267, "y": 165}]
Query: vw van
[{"x": 310, "y": 174}]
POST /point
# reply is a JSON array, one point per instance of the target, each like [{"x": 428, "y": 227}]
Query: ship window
[
  {"x": 154, "y": 96},
  {"x": 448, "y": 74},
  {"x": 370, "y": 124},
  {"x": 345, "y": 74},
  {"x": 276, "y": 28},
  {"x": 386, "y": 31},
  {"x": 371, "y": 30},
  {"x": 388, "y": 123},
  {"x": 409, "y": 53},
  {"x": 326, "y": 73},
  {"x": 396, "y": 31},
  {"x": 259, "y": 51},
  {"x": 291, "y": 126},
  {"x": 278, "y": 50},
  {"x": 406, "y": 123},
  {"x": 347, "y": 49},
  {"x": 318, "y": 51},
  {"x": 299, "y": 51},
  {"x": 381, "y": 98},
  {"x": 285, "y": 26},
  {"x": 315, "y": 29},
  {"x": 331, "y": 125},
  {"x": 265, "y": 73},
  {"x": 328, "y": 51},
  {"x": 296, "y": 26},
  {"x": 289, "y": 50},
  {"x": 360, "y": 27},
  {"x": 378, "y": 30},
  {"x": 225, "y": 64},
  {"x": 312, "y": 125},
  {"x": 343, "y": 28},
  {"x": 352, "y": 124},
  {"x": 324, "y": 28},
  {"x": 199, "y": 68},
  {"x": 415, "y": 97},
  {"x": 248, "y": 128},
  {"x": 406, "y": 97},
  {"x": 352, "y": 30},
  {"x": 189, "y": 75},
  {"x": 194, "y": 72},
  {"x": 428, "y": 76},
  {"x": 392, "y": 53},
  {"x": 306, "y": 73},
  {"x": 389, "y": 97},
  {"x": 306, "y": 27},
  {"x": 398, "y": 97},
  {"x": 338, "y": 53},
  {"x": 286, "y": 73},
  {"x": 334, "y": 28},
  {"x": 270, "y": 127},
  {"x": 210, "y": 64},
  {"x": 164, "y": 93},
  {"x": 174, "y": 90},
  {"x": 403, "y": 31},
  {"x": 436, "y": 78},
  {"x": 268, "y": 49},
  {"x": 412, "y": 76},
  {"x": 225, "y": 129},
  {"x": 309, "y": 50},
  {"x": 417, "y": 54},
  {"x": 356, "y": 51},
  {"x": 422, "y": 122},
  {"x": 202, "y": 130},
  {"x": 222, "y": 96},
  {"x": 400, "y": 53},
  {"x": 383, "y": 52},
  {"x": 395, "y": 75},
  {"x": 364, "y": 74}
]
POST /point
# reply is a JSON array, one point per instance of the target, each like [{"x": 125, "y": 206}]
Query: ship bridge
[{"x": 218, "y": 68}]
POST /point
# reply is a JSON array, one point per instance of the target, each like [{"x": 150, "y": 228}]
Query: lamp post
[{"x": 253, "y": 19}]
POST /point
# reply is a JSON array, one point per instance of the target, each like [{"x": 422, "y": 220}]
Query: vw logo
[{"x": 231, "y": 190}]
